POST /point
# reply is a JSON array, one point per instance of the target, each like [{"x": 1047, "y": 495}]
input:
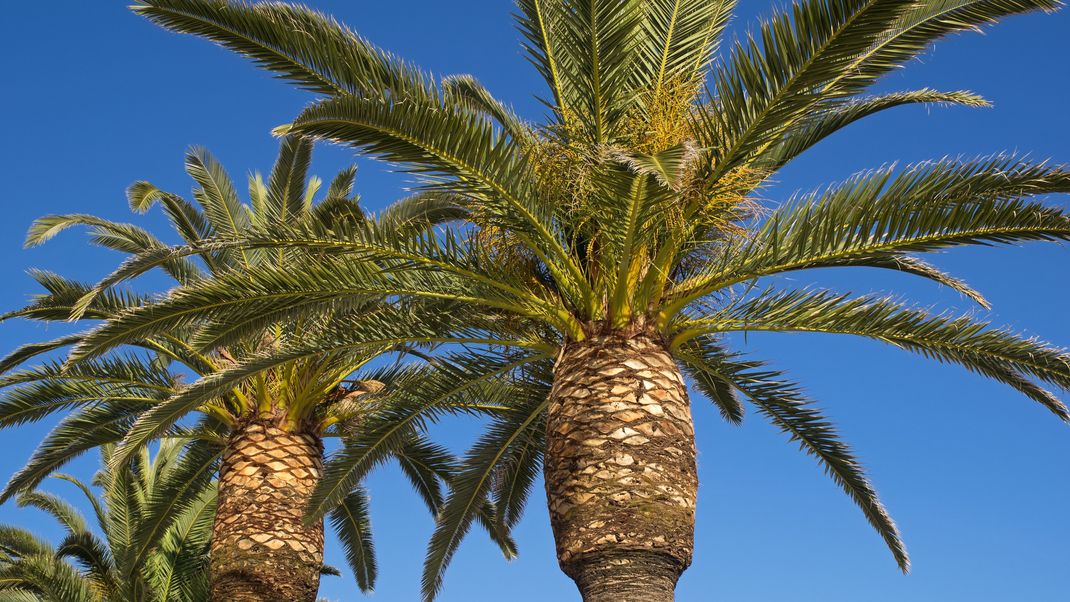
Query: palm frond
[
  {"x": 413, "y": 397},
  {"x": 286, "y": 186},
  {"x": 596, "y": 45},
  {"x": 67, "y": 515},
  {"x": 297, "y": 43},
  {"x": 507, "y": 440},
  {"x": 788, "y": 409},
  {"x": 767, "y": 84},
  {"x": 828, "y": 120},
  {"x": 125, "y": 238},
  {"x": 352, "y": 523},
  {"x": 996, "y": 353},
  {"x": 465, "y": 90},
  {"x": 680, "y": 39},
  {"x": 880, "y": 215}
]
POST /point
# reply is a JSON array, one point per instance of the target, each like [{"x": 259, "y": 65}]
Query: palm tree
[
  {"x": 105, "y": 566},
  {"x": 616, "y": 245},
  {"x": 269, "y": 431}
]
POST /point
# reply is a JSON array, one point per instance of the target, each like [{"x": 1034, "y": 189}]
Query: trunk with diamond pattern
[
  {"x": 621, "y": 480},
  {"x": 261, "y": 549}
]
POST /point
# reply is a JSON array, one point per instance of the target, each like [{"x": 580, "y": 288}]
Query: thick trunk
[
  {"x": 261, "y": 549},
  {"x": 621, "y": 481}
]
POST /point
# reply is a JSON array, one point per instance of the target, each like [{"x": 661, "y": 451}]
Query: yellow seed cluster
[{"x": 664, "y": 119}]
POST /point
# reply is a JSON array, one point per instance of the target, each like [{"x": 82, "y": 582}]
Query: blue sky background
[{"x": 94, "y": 98}]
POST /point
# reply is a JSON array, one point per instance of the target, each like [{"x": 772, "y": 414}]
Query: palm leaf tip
[{"x": 793, "y": 413}]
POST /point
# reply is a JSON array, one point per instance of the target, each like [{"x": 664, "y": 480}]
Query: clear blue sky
[{"x": 976, "y": 475}]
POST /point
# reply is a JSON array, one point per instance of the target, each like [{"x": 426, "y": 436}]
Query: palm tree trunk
[
  {"x": 621, "y": 481},
  {"x": 261, "y": 549}
]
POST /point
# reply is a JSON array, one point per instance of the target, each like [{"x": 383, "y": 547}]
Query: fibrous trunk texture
[
  {"x": 621, "y": 481},
  {"x": 261, "y": 549}
]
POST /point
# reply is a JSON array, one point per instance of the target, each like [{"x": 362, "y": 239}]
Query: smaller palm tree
[
  {"x": 100, "y": 565},
  {"x": 268, "y": 432}
]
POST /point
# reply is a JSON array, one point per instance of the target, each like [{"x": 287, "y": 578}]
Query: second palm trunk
[
  {"x": 261, "y": 549},
  {"x": 621, "y": 480}
]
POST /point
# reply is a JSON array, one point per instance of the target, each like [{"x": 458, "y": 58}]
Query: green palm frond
[
  {"x": 286, "y": 186},
  {"x": 173, "y": 567},
  {"x": 217, "y": 195},
  {"x": 767, "y": 83},
  {"x": 297, "y": 43},
  {"x": 413, "y": 398},
  {"x": 699, "y": 359},
  {"x": 86, "y": 429},
  {"x": 680, "y": 39},
  {"x": 926, "y": 22},
  {"x": 465, "y": 90},
  {"x": 16, "y": 541},
  {"x": 428, "y": 467},
  {"x": 92, "y": 556},
  {"x": 461, "y": 149},
  {"x": 352, "y": 522},
  {"x": 828, "y": 120},
  {"x": 172, "y": 496},
  {"x": 539, "y": 21},
  {"x": 126, "y": 238},
  {"x": 67, "y": 515},
  {"x": 31, "y": 394},
  {"x": 597, "y": 49},
  {"x": 48, "y": 578},
  {"x": 882, "y": 214},
  {"x": 178, "y": 567},
  {"x": 997, "y": 353},
  {"x": 789, "y": 410},
  {"x": 506, "y": 441}
]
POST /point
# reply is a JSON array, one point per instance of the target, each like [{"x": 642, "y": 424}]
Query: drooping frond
[
  {"x": 699, "y": 358},
  {"x": 996, "y": 353},
  {"x": 437, "y": 141},
  {"x": 31, "y": 394},
  {"x": 507, "y": 440},
  {"x": 926, "y": 22},
  {"x": 93, "y": 556},
  {"x": 67, "y": 515},
  {"x": 466, "y": 91},
  {"x": 790, "y": 411},
  {"x": 79, "y": 432},
  {"x": 882, "y": 215},
  {"x": 296, "y": 43},
  {"x": 352, "y": 522},
  {"x": 126, "y": 238},
  {"x": 414, "y": 398}
]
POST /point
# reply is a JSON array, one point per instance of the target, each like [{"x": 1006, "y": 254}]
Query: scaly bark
[
  {"x": 621, "y": 481},
  {"x": 261, "y": 549}
]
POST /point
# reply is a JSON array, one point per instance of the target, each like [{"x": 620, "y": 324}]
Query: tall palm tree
[
  {"x": 269, "y": 431},
  {"x": 615, "y": 246},
  {"x": 104, "y": 565}
]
